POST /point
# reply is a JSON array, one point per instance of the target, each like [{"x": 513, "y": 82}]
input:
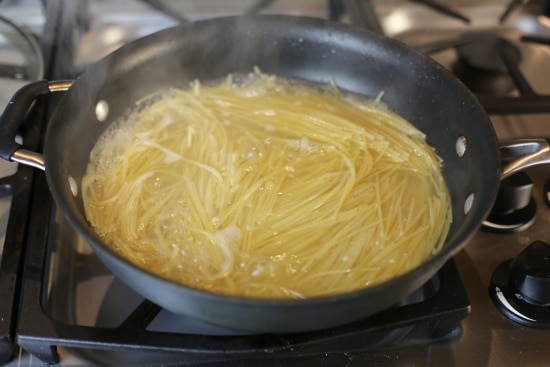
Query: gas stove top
[{"x": 69, "y": 311}]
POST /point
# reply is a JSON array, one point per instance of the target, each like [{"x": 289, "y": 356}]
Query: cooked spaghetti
[{"x": 267, "y": 188}]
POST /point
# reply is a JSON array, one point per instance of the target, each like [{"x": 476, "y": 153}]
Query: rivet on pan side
[
  {"x": 101, "y": 110},
  {"x": 468, "y": 203},
  {"x": 73, "y": 186},
  {"x": 460, "y": 145}
]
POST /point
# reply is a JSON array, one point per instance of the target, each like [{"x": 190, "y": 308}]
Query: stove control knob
[
  {"x": 514, "y": 209},
  {"x": 530, "y": 274},
  {"x": 514, "y": 193},
  {"x": 520, "y": 288}
]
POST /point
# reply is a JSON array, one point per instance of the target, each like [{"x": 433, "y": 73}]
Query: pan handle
[
  {"x": 14, "y": 116},
  {"x": 520, "y": 154}
]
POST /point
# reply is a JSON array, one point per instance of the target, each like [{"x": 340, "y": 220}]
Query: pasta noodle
[{"x": 267, "y": 188}]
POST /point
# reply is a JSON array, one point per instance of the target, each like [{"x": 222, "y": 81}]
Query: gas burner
[
  {"x": 480, "y": 65},
  {"x": 520, "y": 288},
  {"x": 514, "y": 209}
]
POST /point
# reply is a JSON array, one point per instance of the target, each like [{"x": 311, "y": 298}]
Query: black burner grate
[
  {"x": 528, "y": 101},
  {"x": 18, "y": 186},
  {"x": 431, "y": 314}
]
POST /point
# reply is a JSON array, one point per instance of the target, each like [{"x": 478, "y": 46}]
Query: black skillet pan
[{"x": 311, "y": 49}]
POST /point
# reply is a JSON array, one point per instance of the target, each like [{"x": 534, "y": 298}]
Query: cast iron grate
[
  {"x": 433, "y": 315},
  {"x": 18, "y": 186},
  {"x": 528, "y": 101}
]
